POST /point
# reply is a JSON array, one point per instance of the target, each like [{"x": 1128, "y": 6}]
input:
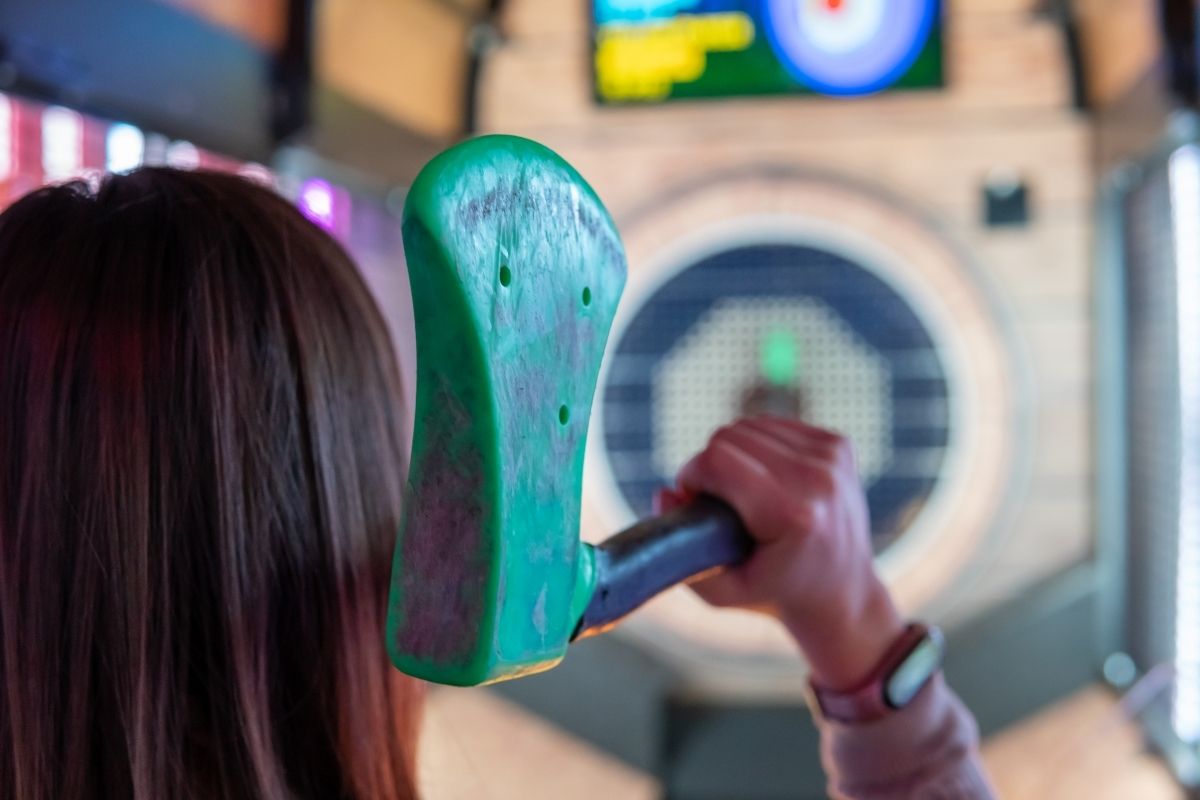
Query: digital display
[{"x": 647, "y": 51}]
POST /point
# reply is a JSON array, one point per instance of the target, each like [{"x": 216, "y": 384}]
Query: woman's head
[{"x": 200, "y": 483}]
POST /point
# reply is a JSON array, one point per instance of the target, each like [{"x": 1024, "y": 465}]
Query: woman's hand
[{"x": 797, "y": 490}]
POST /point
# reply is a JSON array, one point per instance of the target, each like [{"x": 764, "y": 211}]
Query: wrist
[
  {"x": 843, "y": 647},
  {"x": 910, "y": 662}
]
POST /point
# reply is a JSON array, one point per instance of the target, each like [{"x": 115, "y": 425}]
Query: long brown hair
[{"x": 201, "y": 468}]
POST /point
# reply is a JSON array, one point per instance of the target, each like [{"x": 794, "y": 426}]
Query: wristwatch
[{"x": 903, "y": 671}]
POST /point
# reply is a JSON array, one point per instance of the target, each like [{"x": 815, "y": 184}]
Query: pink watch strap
[{"x": 867, "y": 701}]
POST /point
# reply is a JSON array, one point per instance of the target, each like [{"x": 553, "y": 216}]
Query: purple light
[{"x": 316, "y": 202}]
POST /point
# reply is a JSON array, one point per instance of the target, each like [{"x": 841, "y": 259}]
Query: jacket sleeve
[{"x": 928, "y": 750}]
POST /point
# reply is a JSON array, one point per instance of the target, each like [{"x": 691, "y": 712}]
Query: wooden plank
[
  {"x": 1044, "y": 538},
  {"x": 405, "y": 60},
  {"x": 1121, "y": 43},
  {"x": 1041, "y": 266},
  {"x": 957, "y": 9},
  {"x": 935, "y": 172},
  {"x": 539, "y": 19},
  {"x": 476, "y": 745},
  {"x": 1059, "y": 350},
  {"x": 1082, "y": 748}
]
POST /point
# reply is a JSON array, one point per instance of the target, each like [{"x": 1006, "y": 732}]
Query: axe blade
[{"x": 516, "y": 271}]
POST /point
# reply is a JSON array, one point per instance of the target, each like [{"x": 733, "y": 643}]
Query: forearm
[
  {"x": 928, "y": 750},
  {"x": 797, "y": 490}
]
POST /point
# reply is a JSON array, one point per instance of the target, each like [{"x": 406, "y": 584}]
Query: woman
[{"x": 200, "y": 477}]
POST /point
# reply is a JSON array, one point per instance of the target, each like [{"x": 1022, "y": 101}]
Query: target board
[
  {"x": 812, "y": 298},
  {"x": 786, "y": 328}
]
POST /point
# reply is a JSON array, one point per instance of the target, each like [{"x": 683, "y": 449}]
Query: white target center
[
  {"x": 700, "y": 384},
  {"x": 840, "y": 26}
]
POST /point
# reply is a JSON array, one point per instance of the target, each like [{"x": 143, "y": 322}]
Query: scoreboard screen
[{"x": 647, "y": 51}]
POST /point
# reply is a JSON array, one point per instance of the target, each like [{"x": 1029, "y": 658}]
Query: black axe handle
[{"x": 657, "y": 553}]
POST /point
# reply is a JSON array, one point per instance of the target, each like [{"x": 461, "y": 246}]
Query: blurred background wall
[{"x": 940, "y": 258}]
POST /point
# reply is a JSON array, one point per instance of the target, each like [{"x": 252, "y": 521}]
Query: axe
[{"x": 516, "y": 270}]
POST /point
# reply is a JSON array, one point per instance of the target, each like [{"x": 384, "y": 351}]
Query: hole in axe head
[{"x": 505, "y": 275}]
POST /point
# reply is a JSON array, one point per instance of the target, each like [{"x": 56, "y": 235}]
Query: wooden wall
[
  {"x": 1007, "y": 105},
  {"x": 1120, "y": 42},
  {"x": 406, "y": 59}
]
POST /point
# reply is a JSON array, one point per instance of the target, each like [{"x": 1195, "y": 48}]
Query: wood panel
[
  {"x": 936, "y": 171},
  {"x": 1082, "y": 748},
  {"x": 1019, "y": 298},
  {"x": 921, "y": 263},
  {"x": 406, "y": 60},
  {"x": 1121, "y": 43},
  {"x": 1044, "y": 264},
  {"x": 476, "y": 745},
  {"x": 1037, "y": 277}
]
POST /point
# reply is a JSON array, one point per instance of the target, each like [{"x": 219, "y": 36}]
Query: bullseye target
[
  {"x": 788, "y": 329},
  {"x": 807, "y": 297},
  {"x": 848, "y": 47}
]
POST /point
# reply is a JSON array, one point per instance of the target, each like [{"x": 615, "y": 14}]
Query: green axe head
[{"x": 516, "y": 270}]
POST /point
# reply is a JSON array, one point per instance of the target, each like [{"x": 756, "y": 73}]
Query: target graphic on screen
[{"x": 848, "y": 47}]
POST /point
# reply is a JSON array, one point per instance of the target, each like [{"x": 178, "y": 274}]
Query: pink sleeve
[{"x": 927, "y": 750}]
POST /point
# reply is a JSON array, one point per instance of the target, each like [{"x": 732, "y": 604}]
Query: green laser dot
[{"x": 779, "y": 357}]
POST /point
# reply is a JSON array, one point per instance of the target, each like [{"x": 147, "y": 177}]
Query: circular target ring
[
  {"x": 966, "y": 397},
  {"x": 848, "y": 47},
  {"x": 788, "y": 329}
]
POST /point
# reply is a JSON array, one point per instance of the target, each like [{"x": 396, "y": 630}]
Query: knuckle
[
  {"x": 801, "y": 516},
  {"x": 829, "y": 453},
  {"x": 815, "y": 477},
  {"x": 821, "y": 482}
]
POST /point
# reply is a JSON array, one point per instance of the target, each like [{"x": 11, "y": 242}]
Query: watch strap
[{"x": 895, "y": 680}]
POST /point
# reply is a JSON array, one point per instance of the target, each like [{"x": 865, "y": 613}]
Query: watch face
[
  {"x": 914, "y": 671},
  {"x": 790, "y": 330},
  {"x": 848, "y": 47}
]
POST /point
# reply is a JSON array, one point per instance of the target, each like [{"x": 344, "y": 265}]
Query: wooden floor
[
  {"x": 476, "y": 746},
  {"x": 1080, "y": 749}
]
